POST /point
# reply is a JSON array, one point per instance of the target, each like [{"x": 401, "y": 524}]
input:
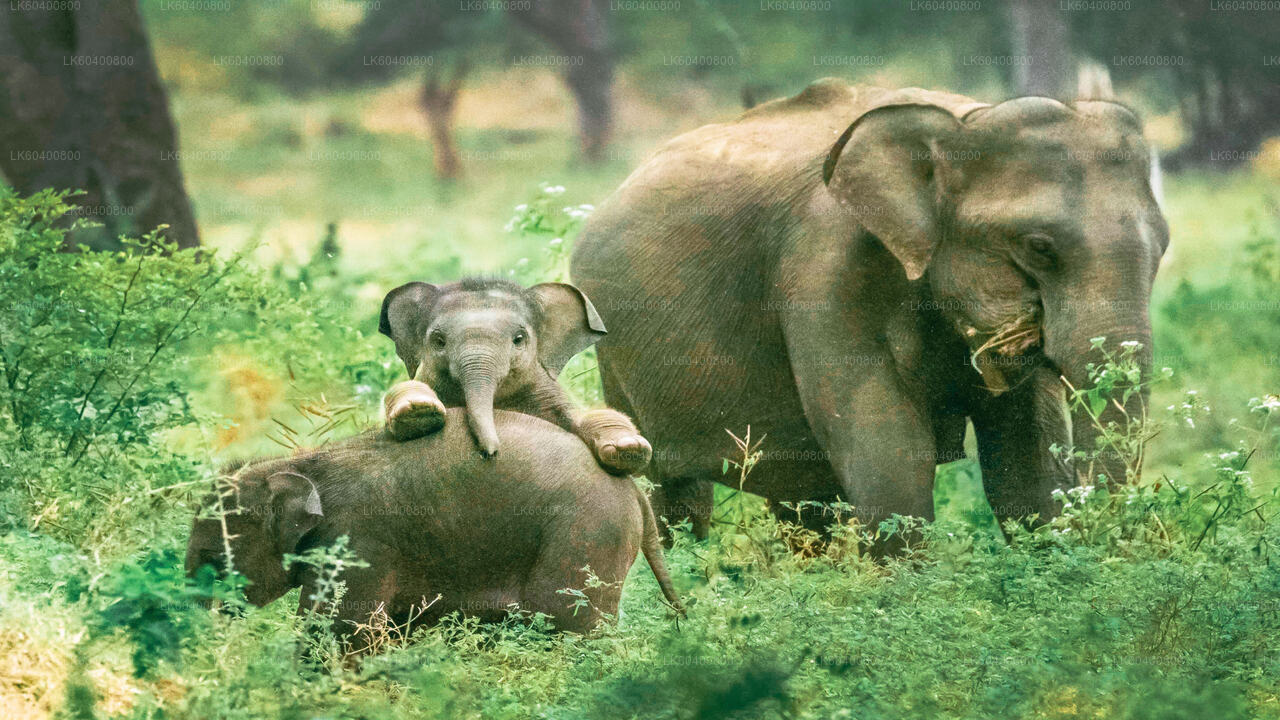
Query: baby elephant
[
  {"x": 431, "y": 517},
  {"x": 490, "y": 343}
]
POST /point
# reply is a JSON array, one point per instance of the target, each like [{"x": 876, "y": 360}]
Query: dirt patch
[
  {"x": 35, "y": 658},
  {"x": 536, "y": 99}
]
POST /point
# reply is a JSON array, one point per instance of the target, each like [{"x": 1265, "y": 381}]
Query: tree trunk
[
  {"x": 82, "y": 107},
  {"x": 438, "y": 100},
  {"x": 579, "y": 31},
  {"x": 1042, "y": 62},
  {"x": 1229, "y": 118}
]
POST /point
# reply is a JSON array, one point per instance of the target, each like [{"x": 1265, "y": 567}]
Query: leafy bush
[
  {"x": 88, "y": 347},
  {"x": 158, "y": 606},
  {"x": 101, "y": 354}
]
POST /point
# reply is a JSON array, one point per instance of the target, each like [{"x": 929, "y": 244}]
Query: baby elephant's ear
[
  {"x": 403, "y": 306},
  {"x": 570, "y": 324},
  {"x": 295, "y": 508}
]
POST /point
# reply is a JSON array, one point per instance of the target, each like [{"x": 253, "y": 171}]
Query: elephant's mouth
[{"x": 1007, "y": 350}]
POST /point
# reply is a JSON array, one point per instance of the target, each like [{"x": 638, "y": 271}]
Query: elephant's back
[
  {"x": 775, "y": 140},
  {"x": 441, "y": 486},
  {"x": 449, "y": 461},
  {"x": 706, "y": 207},
  {"x": 446, "y": 520}
]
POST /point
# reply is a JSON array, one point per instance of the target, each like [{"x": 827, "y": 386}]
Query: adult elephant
[{"x": 823, "y": 269}]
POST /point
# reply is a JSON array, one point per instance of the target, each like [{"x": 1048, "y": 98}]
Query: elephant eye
[
  {"x": 519, "y": 338},
  {"x": 1041, "y": 247},
  {"x": 437, "y": 340}
]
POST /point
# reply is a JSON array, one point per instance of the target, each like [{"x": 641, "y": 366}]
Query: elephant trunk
[
  {"x": 1087, "y": 424},
  {"x": 478, "y": 373}
]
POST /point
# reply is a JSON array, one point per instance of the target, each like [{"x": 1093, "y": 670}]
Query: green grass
[{"x": 286, "y": 177}]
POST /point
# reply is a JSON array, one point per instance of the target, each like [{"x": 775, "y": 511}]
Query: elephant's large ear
[
  {"x": 570, "y": 324},
  {"x": 295, "y": 508},
  {"x": 402, "y": 306},
  {"x": 884, "y": 167}
]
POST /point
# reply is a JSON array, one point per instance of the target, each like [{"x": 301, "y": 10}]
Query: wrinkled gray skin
[
  {"x": 432, "y": 517},
  {"x": 482, "y": 344},
  {"x": 822, "y": 268}
]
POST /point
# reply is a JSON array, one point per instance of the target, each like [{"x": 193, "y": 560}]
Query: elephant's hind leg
[
  {"x": 676, "y": 498},
  {"x": 578, "y": 575}
]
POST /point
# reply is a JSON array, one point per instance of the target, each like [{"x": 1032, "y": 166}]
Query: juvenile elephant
[
  {"x": 832, "y": 269},
  {"x": 484, "y": 343},
  {"x": 432, "y": 517}
]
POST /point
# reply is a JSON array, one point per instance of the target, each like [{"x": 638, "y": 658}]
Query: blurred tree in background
[
  {"x": 1041, "y": 49},
  {"x": 1219, "y": 67},
  {"x": 82, "y": 107},
  {"x": 448, "y": 40},
  {"x": 442, "y": 40},
  {"x": 579, "y": 31},
  {"x": 252, "y": 48}
]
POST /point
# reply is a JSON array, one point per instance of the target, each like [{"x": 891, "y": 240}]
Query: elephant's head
[
  {"x": 1026, "y": 214},
  {"x": 478, "y": 341},
  {"x": 268, "y": 511}
]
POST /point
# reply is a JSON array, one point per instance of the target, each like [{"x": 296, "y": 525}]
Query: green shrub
[
  {"x": 88, "y": 345},
  {"x": 101, "y": 355},
  {"x": 158, "y": 607}
]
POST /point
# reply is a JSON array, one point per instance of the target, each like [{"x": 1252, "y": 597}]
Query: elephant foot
[
  {"x": 625, "y": 454},
  {"x": 618, "y": 445},
  {"x": 414, "y": 412}
]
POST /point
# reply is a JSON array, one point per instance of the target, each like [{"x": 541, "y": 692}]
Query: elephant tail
[{"x": 651, "y": 546}]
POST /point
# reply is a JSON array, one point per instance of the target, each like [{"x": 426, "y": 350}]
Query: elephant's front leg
[
  {"x": 412, "y": 410},
  {"x": 881, "y": 447},
  {"x": 613, "y": 438},
  {"x": 845, "y": 339}
]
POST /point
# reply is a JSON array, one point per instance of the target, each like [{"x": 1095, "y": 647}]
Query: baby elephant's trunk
[
  {"x": 478, "y": 373},
  {"x": 480, "y": 417}
]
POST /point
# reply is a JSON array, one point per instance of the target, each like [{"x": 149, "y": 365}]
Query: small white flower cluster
[
  {"x": 518, "y": 220},
  {"x": 553, "y": 190},
  {"x": 580, "y": 212},
  {"x": 1072, "y": 495},
  {"x": 1190, "y": 405}
]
